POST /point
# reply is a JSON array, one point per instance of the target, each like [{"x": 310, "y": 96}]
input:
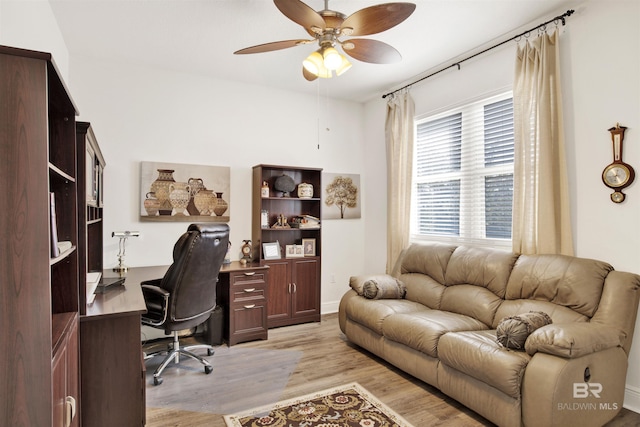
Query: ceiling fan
[{"x": 328, "y": 26}]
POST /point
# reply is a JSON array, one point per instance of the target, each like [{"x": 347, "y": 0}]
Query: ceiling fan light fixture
[
  {"x": 332, "y": 58},
  {"x": 343, "y": 67},
  {"x": 314, "y": 63}
]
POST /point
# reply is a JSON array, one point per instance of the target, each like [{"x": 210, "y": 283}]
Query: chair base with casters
[{"x": 173, "y": 354}]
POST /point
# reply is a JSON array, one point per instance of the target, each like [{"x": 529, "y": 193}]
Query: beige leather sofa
[{"x": 570, "y": 373}]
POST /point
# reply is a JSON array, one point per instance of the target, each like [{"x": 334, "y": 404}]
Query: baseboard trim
[
  {"x": 329, "y": 307},
  {"x": 632, "y": 399}
]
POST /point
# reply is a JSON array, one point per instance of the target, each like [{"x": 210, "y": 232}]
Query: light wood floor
[{"x": 329, "y": 360}]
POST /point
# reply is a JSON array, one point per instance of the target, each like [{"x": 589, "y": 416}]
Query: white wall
[
  {"x": 600, "y": 59},
  {"x": 32, "y": 25},
  {"x": 143, "y": 114}
]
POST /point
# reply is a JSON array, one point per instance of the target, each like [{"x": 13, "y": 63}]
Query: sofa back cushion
[
  {"x": 571, "y": 282},
  {"x": 429, "y": 258},
  {"x": 558, "y": 313},
  {"x": 423, "y": 289},
  {"x": 471, "y": 300},
  {"x": 488, "y": 268}
]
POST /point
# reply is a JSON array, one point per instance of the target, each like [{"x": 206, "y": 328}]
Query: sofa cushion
[
  {"x": 422, "y": 330},
  {"x": 558, "y": 313},
  {"x": 477, "y": 354},
  {"x": 513, "y": 331},
  {"x": 423, "y": 289},
  {"x": 383, "y": 287},
  {"x": 475, "y": 301},
  {"x": 372, "y": 313},
  {"x": 484, "y": 267},
  {"x": 427, "y": 258},
  {"x": 572, "y": 282}
]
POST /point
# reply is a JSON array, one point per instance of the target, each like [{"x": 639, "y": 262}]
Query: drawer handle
[
  {"x": 250, "y": 290},
  {"x": 249, "y": 306},
  {"x": 249, "y": 273}
]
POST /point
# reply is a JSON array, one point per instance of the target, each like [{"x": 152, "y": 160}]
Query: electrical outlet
[{"x": 332, "y": 279}]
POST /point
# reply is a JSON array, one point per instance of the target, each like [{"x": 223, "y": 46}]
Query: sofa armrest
[{"x": 573, "y": 340}]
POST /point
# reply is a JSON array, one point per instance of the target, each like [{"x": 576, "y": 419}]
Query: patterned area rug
[{"x": 346, "y": 406}]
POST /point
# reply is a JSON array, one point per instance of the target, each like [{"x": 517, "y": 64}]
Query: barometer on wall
[{"x": 617, "y": 175}]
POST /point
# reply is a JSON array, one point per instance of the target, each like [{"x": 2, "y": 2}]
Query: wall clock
[{"x": 618, "y": 174}]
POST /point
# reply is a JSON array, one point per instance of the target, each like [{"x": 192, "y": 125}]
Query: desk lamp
[{"x": 123, "y": 235}]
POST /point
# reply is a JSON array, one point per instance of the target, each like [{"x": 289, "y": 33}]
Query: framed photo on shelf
[
  {"x": 309, "y": 247},
  {"x": 271, "y": 250},
  {"x": 294, "y": 251}
]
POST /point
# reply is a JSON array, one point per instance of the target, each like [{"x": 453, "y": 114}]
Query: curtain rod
[{"x": 560, "y": 18}]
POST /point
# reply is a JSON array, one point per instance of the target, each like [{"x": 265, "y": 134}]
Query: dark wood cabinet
[
  {"x": 90, "y": 167},
  {"x": 242, "y": 291},
  {"x": 294, "y": 283},
  {"x": 294, "y": 291},
  {"x": 111, "y": 366},
  {"x": 38, "y": 279}
]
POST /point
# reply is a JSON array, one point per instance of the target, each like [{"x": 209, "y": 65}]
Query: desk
[{"x": 112, "y": 368}]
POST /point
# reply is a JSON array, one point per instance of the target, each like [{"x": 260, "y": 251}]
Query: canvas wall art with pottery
[{"x": 183, "y": 192}]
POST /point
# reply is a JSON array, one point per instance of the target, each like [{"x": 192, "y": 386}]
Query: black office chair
[{"x": 186, "y": 295}]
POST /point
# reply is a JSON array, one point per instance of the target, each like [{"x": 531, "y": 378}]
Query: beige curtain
[
  {"x": 399, "y": 135},
  {"x": 541, "y": 217}
]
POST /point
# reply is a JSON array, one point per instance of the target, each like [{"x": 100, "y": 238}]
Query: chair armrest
[
  {"x": 151, "y": 287},
  {"x": 156, "y": 300},
  {"x": 573, "y": 340}
]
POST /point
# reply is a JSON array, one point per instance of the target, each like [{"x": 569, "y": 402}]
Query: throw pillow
[
  {"x": 513, "y": 331},
  {"x": 378, "y": 286}
]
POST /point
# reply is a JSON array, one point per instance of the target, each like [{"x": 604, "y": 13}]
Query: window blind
[{"x": 463, "y": 174}]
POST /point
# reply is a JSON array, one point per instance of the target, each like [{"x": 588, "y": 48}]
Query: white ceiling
[{"x": 200, "y": 36}]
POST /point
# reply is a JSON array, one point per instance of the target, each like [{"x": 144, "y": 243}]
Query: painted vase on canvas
[
  {"x": 179, "y": 197},
  {"x": 151, "y": 204},
  {"x": 160, "y": 187},
  {"x": 205, "y": 201},
  {"x": 221, "y": 205}
]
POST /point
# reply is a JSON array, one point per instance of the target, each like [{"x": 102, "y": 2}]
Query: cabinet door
[
  {"x": 59, "y": 376},
  {"x": 279, "y": 296},
  {"x": 66, "y": 382},
  {"x": 306, "y": 296}
]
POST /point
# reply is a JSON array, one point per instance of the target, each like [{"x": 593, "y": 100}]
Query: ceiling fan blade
[
  {"x": 372, "y": 51},
  {"x": 308, "y": 75},
  {"x": 268, "y": 47},
  {"x": 375, "y": 19},
  {"x": 300, "y": 13}
]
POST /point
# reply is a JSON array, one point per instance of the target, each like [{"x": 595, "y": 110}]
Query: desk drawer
[
  {"x": 248, "y": 293},
  {"x": 248, "y": 277},
  {"x": 247, "y": 286},
  {"x": 248, "y": 321}
]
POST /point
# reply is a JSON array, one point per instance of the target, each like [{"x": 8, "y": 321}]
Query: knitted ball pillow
[
  {"x": 513, "y": 331},
  {"x": 378, "y": 286}
]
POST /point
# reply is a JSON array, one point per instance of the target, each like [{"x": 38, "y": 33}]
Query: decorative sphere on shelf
[{"x": 284, "y": 184}]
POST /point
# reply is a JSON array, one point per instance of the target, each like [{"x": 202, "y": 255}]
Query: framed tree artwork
[{"x": 341, "y": 196}]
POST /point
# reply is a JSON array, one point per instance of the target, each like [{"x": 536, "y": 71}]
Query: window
[{"x": 463, "y": 174}]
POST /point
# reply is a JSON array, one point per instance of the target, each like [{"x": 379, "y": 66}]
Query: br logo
[{"x": 583, "y": 390}]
